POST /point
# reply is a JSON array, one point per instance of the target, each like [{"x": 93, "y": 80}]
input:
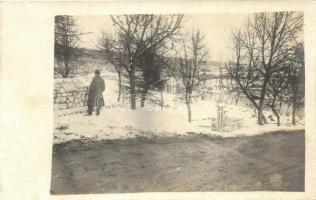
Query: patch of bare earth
[{"x": 269, "y": 162}]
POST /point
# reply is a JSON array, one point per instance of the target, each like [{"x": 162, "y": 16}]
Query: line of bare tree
[
  {"x": 146, "y": 50},
  {"x": 268, "y": 65},
  {"x": 149, "y": 49}
]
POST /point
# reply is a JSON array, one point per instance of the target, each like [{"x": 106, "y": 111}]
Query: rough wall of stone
[{"x": 70, "y": 93}]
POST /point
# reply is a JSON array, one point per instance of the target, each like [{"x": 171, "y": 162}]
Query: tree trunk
[
  {"x": 188, "y": 101},
  {"x": 144, "y": 95},
  {"x": 236, "y": 99},
  {"x": 294, "y": 105},
  {"x": 276, "y": 114},
  {"x": 132, "y": 89},
  {"x": 161, "y": 99},
  {"x": 293, "y": 116},
  {"x": 65, "y": 73},
  {"x": 264, "y": 118},
  {"x": 261, "y": 118},
  {"x": 189, "y": 112},
  {"x": 119, "y": 86},
  {"x": 294, "y": 112},
  {"x": 67, "y": 68},
  {"x": 260, "y": 114}
]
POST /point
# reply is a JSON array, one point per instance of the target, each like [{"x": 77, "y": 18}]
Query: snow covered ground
[{"x": 122, "y": 123}]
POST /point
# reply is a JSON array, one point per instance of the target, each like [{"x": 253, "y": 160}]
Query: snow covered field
[{"x": 121, "y": 123}]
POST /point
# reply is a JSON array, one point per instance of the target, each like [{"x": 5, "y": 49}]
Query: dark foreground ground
[{"x": 270, "y": 162}]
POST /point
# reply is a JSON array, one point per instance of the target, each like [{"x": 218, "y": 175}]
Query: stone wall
[{"x": 70, "y": 93}]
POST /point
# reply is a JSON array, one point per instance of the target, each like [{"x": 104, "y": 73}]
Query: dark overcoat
[{"x": 96, "y": 89}]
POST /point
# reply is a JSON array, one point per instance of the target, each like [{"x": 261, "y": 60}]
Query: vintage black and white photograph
[{"x": 178, "y": 103}]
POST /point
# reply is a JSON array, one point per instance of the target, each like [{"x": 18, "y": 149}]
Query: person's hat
[{"x": 97, "y": 71}]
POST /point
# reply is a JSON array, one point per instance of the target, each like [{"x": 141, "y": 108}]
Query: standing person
[{"x": 95, "y": 97}]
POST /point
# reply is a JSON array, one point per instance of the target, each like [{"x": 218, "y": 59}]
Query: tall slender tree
[{"x": 193, "y": 56}]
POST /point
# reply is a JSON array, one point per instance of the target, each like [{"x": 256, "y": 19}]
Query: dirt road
[{"x": 273, "y": 162}]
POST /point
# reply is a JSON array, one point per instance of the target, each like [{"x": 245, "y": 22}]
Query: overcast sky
[{"x": 216, "y": 27}]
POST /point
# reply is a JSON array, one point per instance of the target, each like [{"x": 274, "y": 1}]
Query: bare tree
[
  {"x": 66, "y": 49},
  {"x": 262, "y": 48},
  {"x": 193, "y": 56},
  {"x": 138, "y": 33},
  {"x": 243, "y": 70}
]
